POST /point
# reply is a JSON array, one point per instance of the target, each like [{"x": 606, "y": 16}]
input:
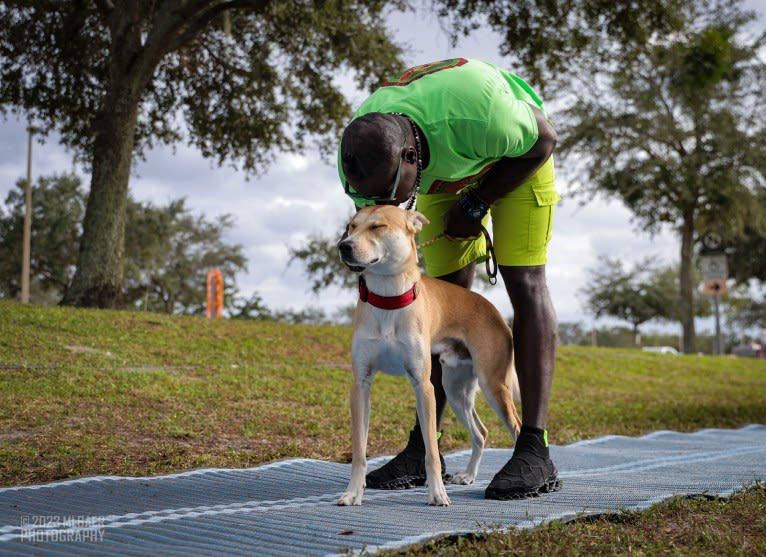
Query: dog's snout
[{"x": 346, "y": 249}]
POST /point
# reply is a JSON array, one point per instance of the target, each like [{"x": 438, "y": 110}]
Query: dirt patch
[{"x": 77, "y": 349}]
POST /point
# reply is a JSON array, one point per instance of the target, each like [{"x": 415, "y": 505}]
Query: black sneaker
[
  {"x": 529, "y": 473},
  {"x": 405, "y": 470}
]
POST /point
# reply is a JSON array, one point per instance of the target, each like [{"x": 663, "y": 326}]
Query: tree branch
[{"x": 182, "y": 25}]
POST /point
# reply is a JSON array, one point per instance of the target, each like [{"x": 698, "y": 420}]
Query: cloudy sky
[{"x": 301, "y": 195}]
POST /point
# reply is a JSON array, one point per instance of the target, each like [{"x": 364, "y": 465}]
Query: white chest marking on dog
[{"x": 387, "y": 350}]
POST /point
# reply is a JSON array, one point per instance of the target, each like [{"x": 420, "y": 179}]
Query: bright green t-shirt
[{"x": 471, "y": 112}]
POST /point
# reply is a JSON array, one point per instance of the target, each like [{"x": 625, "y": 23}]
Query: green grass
[
  {"x": 682, "y": 526},
  {"x": 87, "y": 392}
]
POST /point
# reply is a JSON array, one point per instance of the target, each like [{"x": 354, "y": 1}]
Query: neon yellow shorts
[{"x": 521, "y": 227}]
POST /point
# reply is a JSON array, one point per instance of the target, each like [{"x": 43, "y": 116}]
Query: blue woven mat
[{"x": 288, "y": 507}]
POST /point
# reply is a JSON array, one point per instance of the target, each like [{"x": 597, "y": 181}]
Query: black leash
[{"x": 490, "y": 263}]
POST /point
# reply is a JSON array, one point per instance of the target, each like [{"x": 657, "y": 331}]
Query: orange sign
[
  {"x": 715, "y": 287},
  {"x": 214, "y": 293}
]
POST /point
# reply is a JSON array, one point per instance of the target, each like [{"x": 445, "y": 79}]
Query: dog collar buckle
[{"x": 386, "y": 302}]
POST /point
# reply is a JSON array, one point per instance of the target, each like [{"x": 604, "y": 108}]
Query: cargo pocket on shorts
[{"x": 541, "y": 218}]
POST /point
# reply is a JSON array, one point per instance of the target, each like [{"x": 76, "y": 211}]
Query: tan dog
[{"x": 400, "y": 320}]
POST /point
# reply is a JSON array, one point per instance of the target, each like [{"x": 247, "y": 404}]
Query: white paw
[
  {"x": 462, "y": 478},
  {"x": 350, "y": 499},
  {"x": 439, "y": 498}
]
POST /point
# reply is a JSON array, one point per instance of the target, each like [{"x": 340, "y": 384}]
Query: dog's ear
[{"x": 415, "y": 221}]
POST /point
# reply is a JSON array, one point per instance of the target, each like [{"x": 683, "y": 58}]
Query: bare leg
[
  {"x": 530, "y": 470},
  {"x": 534, "y": 338}
]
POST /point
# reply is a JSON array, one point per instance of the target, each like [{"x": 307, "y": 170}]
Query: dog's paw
[
  {"x": 440, "y": 501},
  {"x": 462, "y": 478},
  {"x": 350, "y": 499},
  {"x": 439, "y": 498}
]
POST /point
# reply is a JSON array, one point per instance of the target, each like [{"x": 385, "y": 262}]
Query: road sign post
[{"x": 714, "y": 274}]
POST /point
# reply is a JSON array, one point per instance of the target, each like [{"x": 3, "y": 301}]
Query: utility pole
[{"x": 26, "y": 250}]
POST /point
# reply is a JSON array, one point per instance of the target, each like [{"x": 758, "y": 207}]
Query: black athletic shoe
[
  {"x": 529, "y": 473},
  {"x": 405, "y": 470}
]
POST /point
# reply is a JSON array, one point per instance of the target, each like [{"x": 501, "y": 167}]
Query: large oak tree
[{"x": 238, "y": 79}]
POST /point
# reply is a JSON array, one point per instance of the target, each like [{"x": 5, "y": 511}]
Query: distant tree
[
  {"x": 573, "y": 333},
  {"x": 744, "y": 310},
  {"x": 168, "y": 254},
  {"x": 250, "y": 308},
  {"x": 615, "y": 337},
  {"x": 627, "y": 294},
  {"x": 254, "y": 308},
  {"x": 59, "y": 204},
  {"x": 322, "y": 264},
  {"x": 238, "y": 79},
  {"x": 678, "y": 133}
]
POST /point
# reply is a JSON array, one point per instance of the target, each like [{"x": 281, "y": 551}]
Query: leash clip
[{"x": 491, "y": 261}]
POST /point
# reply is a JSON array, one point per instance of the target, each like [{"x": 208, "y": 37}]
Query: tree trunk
[
  {"x": 687, "y": 285},
  {"x": 98, "y": 280}
]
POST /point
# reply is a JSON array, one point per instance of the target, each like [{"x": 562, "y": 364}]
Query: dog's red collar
[{"x": 387, "y": 302}]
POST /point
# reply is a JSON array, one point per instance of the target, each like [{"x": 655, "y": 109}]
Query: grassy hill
[
  {"x": 105, "y": 392},
  {"x": 86, "y": 392}
]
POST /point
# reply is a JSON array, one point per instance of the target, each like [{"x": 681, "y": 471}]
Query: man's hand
[{"x": 458, "y": 226}]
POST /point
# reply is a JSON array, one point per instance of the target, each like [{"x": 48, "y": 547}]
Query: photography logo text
[{"x": 62, "y": 529}]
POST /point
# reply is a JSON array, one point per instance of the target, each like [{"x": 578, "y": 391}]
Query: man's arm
[
  {"x": 509, "y": 173},
  {"x": 504, "y": 177}
]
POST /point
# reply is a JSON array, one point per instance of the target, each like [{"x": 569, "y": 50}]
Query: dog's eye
[{"x": 377, "y": 226}]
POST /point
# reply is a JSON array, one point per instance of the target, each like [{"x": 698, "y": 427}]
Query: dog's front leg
[
  {"x": 426, "y": 407},
  {"x": 360, "y": 420}
]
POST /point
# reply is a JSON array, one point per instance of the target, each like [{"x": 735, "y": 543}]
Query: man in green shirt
[{"x": 466, "y": 140}]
